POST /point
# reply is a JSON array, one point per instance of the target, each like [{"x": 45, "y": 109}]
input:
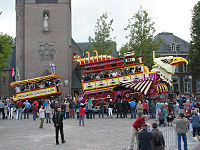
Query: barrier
[{"x": 171, "y": 140}]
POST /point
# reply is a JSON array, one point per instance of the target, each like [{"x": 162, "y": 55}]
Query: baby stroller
[{"x": 161, "y": 118}]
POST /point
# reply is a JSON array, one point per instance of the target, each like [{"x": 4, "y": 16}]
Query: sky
[{"x": 169, "y": 16}]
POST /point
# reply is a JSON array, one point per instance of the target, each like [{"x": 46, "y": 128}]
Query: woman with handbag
[{"x": 169, "y": 114}]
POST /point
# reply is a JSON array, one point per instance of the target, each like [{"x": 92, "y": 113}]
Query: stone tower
[{"x": 43, "y": 36}]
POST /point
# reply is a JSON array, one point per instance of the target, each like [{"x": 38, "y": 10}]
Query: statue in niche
[{"x": 45, "y": 22}]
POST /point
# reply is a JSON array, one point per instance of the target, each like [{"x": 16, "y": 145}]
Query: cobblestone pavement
[{"x": 97, "y": 134}]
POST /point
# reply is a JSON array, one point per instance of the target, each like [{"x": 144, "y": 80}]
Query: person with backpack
[{"x": 158, "y": 142}]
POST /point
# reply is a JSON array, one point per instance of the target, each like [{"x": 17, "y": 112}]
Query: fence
[{"x": 171, "y": 140}]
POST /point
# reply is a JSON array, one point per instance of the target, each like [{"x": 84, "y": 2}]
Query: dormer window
[{"x": 174, "y": 46}]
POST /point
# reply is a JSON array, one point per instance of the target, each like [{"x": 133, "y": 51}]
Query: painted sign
[
  {"x": 36, "y": 93},
  {"x": 101, "y": 83}
]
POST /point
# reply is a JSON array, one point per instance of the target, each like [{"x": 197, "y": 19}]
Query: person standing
[
  {"x": 72, "y": 107},
  {"x": 42, "y": 116},
  {"x": 67, "y": 109},
  {"x": 48, "y": 113},
  {"x": 89, "y": 108},
  {"x": 19, "y": 109},
  {"x": 119, "y": 108},
  {"x": 27, "y": 108},
  {"x": 1, "y": 109},
  {"x": 135, "y": 130},
  {"x": 124, "y": 108},
  {"x": 169, "y": 114},
  {"x": 10, "y": 108},
  {"x": 35, "y": 108},
  {"x": 58, "y": 124},
  {"x": 81, "y": 115},
  {"x": 101, "y": 107},
  {"x": 158, "y": 109},
  {"x": 110, "y": 108},
  {"x": 195, "y": 123},
  {"x": 145, "y": 107},
  {"x": 158, "y": 142},
  {"x": 181, "y": 129},
  {"x": 153, "y": 110},
  {"x": 139, "y": 109},
  {"x": 145, "y": 138},
  {"x": 133, "y": 111}
]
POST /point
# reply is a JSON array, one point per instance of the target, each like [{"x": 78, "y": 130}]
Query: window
[
  {"x": 173, "y": 47},
  {"x": 185, "y": 68},
  {"x": 4, "y": 80},
  {"x": 198, "y": 85},
  {"x": 188, "y": 84},
  {"x": 46, "y": 1},
  {"x": 176, "y": 70},
  {"x": 175, "y": 88}
]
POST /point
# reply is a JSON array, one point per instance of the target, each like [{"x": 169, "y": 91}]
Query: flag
[
  {"x": 17, "y": 72},
  {"x": 13, "y": 72},
  {"x": 53, "y": 66}
]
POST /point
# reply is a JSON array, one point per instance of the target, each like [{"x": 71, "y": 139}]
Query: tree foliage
[
  {"x": 194, "y": 55},
  {"x": 6, "y": 42},
  {"x": 102, "y": 40},
  {"x": 140, "y": 37}
]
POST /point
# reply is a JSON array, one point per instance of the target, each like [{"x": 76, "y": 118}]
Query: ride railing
[{"x": 171, "y": 140}]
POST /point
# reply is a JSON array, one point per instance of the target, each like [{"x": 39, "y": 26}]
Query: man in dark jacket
[
  {"x": 119, "y": 108},
  {"x": 158, "y": 142},
  {"x": 58, "y": 123},
  {"x": 145, "y": 139}
]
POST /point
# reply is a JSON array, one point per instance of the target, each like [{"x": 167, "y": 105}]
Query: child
[
  {"x": 81, "y": 114},
  {"x": 148, "y": 127}
]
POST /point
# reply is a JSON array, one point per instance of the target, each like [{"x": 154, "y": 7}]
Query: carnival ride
[
  {"x": 139, "y": 82},
  {"x": 36, "y": 88}
]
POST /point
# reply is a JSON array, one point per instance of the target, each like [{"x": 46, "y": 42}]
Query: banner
[{"x": 36, "y": 93}]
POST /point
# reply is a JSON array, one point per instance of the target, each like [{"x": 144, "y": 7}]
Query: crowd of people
[
  {"x": 183, "y": 111},
  {"x": 111, "y": 73}
]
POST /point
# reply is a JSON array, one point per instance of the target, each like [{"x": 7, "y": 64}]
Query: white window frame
[
  {"x": 198, "y": 85},
  {"x": 188, "y": 84}
]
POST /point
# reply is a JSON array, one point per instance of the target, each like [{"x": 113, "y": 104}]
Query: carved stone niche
[
  {"x": 45, "y": 21},
  {"x": 46, "y": 53}
]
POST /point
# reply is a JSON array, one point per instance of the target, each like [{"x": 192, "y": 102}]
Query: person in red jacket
[
  {"x": 135, "y": 129},
  {"x": 81, "y": 114},
  {"x": 145, "y": 107}
]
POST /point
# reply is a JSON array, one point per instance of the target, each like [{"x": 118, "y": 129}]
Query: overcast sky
[{"x": 169, "y": 16}]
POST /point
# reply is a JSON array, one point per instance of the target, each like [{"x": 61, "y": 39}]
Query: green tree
[
  {"x": 102, "y": 40},
  {"x": 194, "y": 54},
  {"x": 5, "y": 50},
  {"x": 140, "y": 37}
]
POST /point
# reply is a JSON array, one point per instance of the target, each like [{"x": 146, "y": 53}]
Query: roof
[
  {"x": 168, "y": 39},
  {"x": 85, "y": 46}
]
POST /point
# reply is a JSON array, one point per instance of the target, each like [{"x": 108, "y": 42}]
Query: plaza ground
[{"x": 97, "y": 134}]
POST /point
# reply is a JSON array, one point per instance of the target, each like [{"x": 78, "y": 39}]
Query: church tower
[{"x": 43, "y": 36}]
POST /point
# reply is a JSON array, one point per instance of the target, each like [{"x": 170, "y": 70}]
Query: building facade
[
  {"x": 183, "y": 81},
  {"x": 43, "y": 36}
]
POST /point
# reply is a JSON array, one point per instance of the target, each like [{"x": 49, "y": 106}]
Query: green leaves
[
  {"x": 5, "y": 50},
  {"x": 140, "y": 37},
  {"x": 194, "y": 55},
  {"x": 102, "y": 41}
]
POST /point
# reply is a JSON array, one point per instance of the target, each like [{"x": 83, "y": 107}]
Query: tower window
[{"x": 46, "y": 1}]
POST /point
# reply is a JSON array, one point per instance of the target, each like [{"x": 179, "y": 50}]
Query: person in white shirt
[{"x": 42, "y": 116}]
